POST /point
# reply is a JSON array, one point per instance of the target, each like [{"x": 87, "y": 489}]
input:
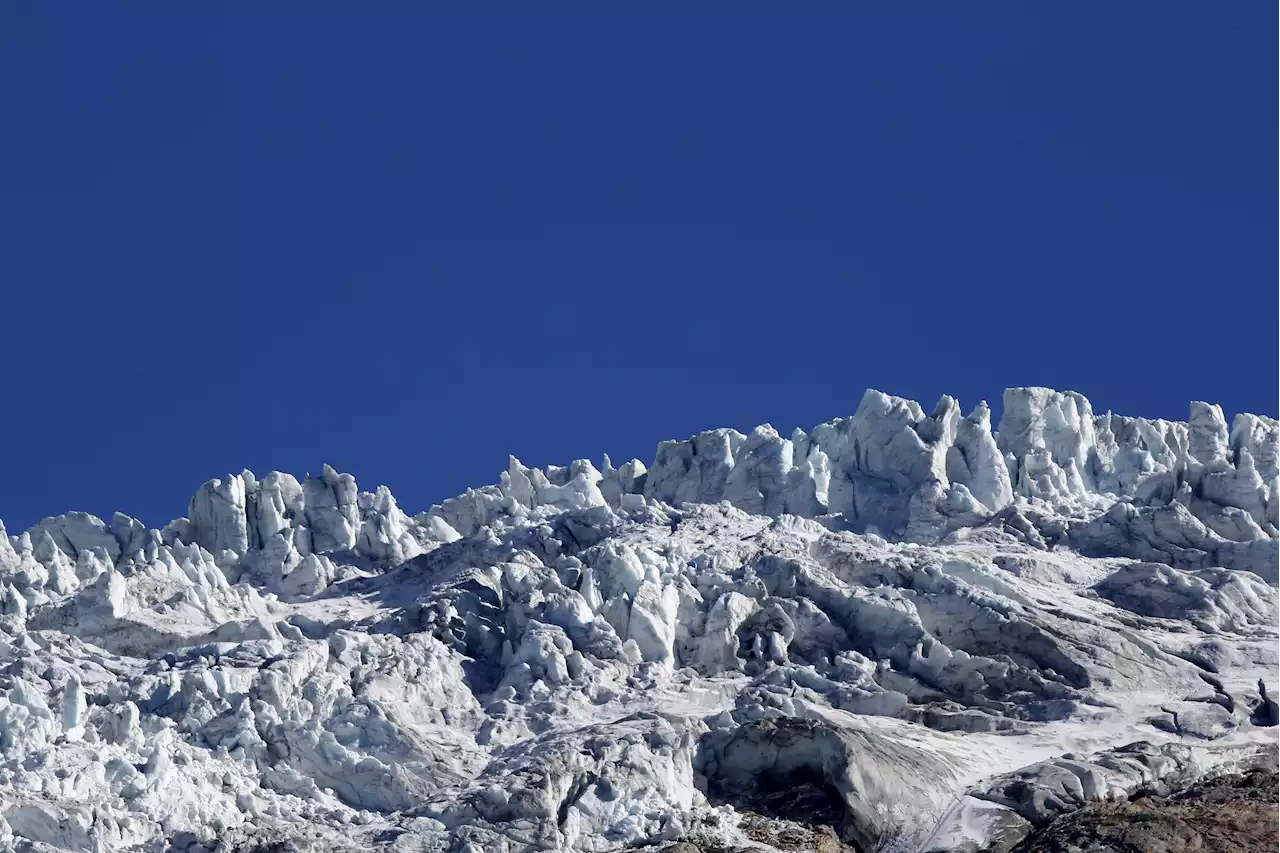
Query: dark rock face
[
  {"x": 1267, "y": 713},
  {"x": 1226, "y": 814}
]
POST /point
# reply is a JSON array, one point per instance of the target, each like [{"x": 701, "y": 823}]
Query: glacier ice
[{"x": 899, "y": 631}]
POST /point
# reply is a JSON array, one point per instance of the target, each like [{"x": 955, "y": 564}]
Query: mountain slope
[{"x": 897, "y": 631}]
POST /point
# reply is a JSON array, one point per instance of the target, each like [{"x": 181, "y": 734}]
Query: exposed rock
[{"x": 1226, "y": 814}]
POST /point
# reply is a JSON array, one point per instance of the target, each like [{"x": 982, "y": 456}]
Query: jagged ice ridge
[{"x": 898, "y": 631}]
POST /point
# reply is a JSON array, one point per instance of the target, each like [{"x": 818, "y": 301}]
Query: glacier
[{"x": 897, "y": 631}]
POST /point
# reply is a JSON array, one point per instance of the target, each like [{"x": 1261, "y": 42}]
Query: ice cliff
[{"x": 897, "y": 631}]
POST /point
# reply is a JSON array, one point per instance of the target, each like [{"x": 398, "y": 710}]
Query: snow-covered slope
[{"x": 902, "y": 629}]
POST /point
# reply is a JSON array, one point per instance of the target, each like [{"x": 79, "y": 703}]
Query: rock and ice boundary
[{"x": 898, "y": 631}]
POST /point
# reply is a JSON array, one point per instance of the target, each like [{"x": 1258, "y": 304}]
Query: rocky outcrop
[{"x": 1235, "y": 813}]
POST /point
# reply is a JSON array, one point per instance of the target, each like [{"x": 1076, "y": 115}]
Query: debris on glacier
[{"x": 897, "y": 631}]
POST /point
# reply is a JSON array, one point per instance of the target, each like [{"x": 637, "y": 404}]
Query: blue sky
[{"x": 410, "y": 238}]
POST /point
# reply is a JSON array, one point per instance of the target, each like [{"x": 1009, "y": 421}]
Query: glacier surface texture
[{"x": 900, "y": 631}]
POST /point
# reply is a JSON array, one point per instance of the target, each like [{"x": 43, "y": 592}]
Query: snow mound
[
  {"x": 1216, "y": 599},
  {"x": 898, "y": 631}
]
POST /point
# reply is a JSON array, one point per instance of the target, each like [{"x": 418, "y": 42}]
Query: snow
[{"x": 951, "y": 633}]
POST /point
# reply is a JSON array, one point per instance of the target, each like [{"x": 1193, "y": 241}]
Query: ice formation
[{"x": 898, "y": 631}]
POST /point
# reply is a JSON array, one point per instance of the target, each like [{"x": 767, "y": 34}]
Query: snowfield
[{"x": 899, "y": 631}]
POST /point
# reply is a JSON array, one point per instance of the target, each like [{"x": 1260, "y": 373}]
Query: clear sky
[{"x": 408, "y": 239}]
